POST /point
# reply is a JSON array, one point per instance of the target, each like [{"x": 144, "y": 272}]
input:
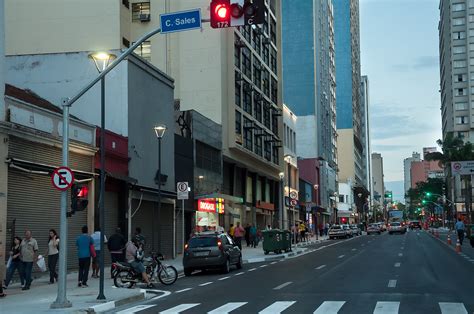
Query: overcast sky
[{"x": 399, "y": 53}]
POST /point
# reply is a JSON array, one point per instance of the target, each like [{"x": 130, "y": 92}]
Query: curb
[
  {"x": 274, "y": 257},
  {"x": 113, "y": 304}
]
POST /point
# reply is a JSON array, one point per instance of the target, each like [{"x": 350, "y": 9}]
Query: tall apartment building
[
  {"x": 365, "y": 136},
  {"x": 348, "y": 80},
  {"x": 456, "y": 51},
  {"x": 378, "y": 177},
  {"x": 407, "y": 162},
  {"x": 310, "y": 83}
]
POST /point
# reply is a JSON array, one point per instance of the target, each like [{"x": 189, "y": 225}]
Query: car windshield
[
  {"x": 336, "y": 228},
  {"x": 202, "y": 242},
  {"x": 395, "y": 224}
]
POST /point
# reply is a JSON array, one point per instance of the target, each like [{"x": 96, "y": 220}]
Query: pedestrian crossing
[{"x": 326, "y": 307}]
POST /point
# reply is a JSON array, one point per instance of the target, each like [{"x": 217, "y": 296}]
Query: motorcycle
[{"x": 127, "y": 277}]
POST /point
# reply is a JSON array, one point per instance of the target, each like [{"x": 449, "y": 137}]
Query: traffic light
[
  {"x": 428, "y": 194},
  {"x": 423, "y": 202},
  {"x": 388, "y": 195},
  {"x": 229, "y": 13},
  {"x": 79, "y": 194}
]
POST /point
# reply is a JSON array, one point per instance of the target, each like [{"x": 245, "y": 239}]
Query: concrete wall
[
  {"x": 345, "y": 189},
  {"x": 307, "y": 143},
  {"x": 150, "y": 102},
  {"x": 345, "y": 151},
  {"x": 37, "y": 27}
]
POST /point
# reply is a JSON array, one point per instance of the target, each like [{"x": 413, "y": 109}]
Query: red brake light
[
  {"x": 219, "y": 244},
  {"x": 221, "y": 11}
]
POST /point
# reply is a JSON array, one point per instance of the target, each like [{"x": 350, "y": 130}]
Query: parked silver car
[
  {"x": 355, "y": 230},
  {"x": 338, "y": 231}
]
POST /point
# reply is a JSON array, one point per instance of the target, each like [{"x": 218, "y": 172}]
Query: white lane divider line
[
  {"x": 205, "y": 284},
  {"x": 238, "y": 274},
  {"x": 400, "y": 254},
  {"x": 252, "y": 269},
  {"x": 320, "y": 267},
  {"x": 392, "y": 283},
  {"x": 135, "y": 309},
  {"x": 386, "y": 308},
  {"x": 183, "y": 290},
  {"x": 180, "y": 308},
  {"x": 228, "y": 307},
  {"x": 283, "y": 285},
  {"x": 354, "y": 250},
  {"x": 340, "y": 256},
  {"x": 452, "y": 308},
  {"x": 329, "y": 307},
  {"x": 397, "y": 264},
  {"x": 273, "y": 263},
  {"x": 224, "y": 278},
  {"x": 263, "y": 266},
  {"x": 277, "y": 307}
]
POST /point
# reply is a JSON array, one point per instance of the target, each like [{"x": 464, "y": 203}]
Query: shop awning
[{"x": 230, "y": 198}]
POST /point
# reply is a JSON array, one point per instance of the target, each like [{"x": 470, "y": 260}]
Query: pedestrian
[
  {"x": 116, "y": 246},
  {"x": 53, "y": 255},
  {"x": 97, "y": 246},
  {"x": 239, "y": 233},
  {"x": 302, "y": 229},
  {"x": 321, "y": 229},
  {"x": 15, "y": 263},
  {"x": 253, "y": 236},
  {"x": 459, "y": 226},
  {"x": 326, "y": 228},
  {"x": 139, "y": 236},
  {"x": 84, "y": 245},
  {"x": 294, "y": 233},
  {"x": 231, "y": 230},
  {"x": 247, "y": 234},
  {"x": 28, "y": 254}
]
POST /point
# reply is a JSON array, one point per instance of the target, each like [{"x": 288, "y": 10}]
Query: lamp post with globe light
[{"x": 159, "y": 132}]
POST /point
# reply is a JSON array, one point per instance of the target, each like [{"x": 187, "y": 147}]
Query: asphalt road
[{"x": 411, "y": 273}]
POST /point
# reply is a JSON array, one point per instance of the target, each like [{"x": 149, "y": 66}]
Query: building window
[
  {"x": 238, "y": 122},
  {"x": 268, "y": 150},
  {"x": 459, "y": 49},
  {"x": 265, "y": 22},
  {"x": 459, "y": 92},
  {"x": 275, "y": 155},
  {"x": 257, "y": 75},
  {"x": 472, "y": 90},
  {"x": 207, "y": 157},
  {"x": 275, "y": 124},
  {"x": 462, "y": 120},
  {"x": 341, "y": 198},
  {"x": 266, "y": 82},
  {"x": 245, "y": 30},
  {"x": 460, "y": 64},
  {"x": 248, "y": 134},
  {"x": 274, "y": 94},
  {"x": 256, "y": 44},
  {"x": 266, "y": 116},
  {"x": 459, "y": 35},
  {"x": 238, "y": 94},
  {"x": 459, "y": 21},
  {"x": 471, "y": 18},
  {"x": 257, "y": 106},
  {"x": 144, "y": 50},
  {"x": 141, "y": 12},
  {"x": 246, "y": 62},
  {"x": 459, "y": 7},
  {"x": 266, "y": 54},
  {"x": 471, "y": 3},
  {"x": 258, "y": 145},
  {"x": 463, "y": 135},
  {"x": 237, "y": 57},
  {"x": 125, "y": 42},
  {"x": 461, "y": 106},
  {"x": 461, "y": 77},
  {"x": 273, "y": 61},
  {"x": 247, "y": 99},
  {"x": 273, "y": 31}
]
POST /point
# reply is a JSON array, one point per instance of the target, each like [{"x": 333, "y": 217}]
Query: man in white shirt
[{"x": 95, "y": 260}]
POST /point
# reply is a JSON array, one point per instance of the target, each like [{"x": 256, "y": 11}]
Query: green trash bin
[
  {"x": 276, "y": 241},
  {"x": 286, "y": 240}
]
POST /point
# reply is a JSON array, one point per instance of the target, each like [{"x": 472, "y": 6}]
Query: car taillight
[
  {"x": 186, "y": 246},
  {"x": 219, "y": 244}
]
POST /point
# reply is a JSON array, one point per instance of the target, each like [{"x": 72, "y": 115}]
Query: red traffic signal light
[
  {"x": 220, "y": 13},
  {"x": 229, "y": 13},
  {"x": 79, "y": 194}
]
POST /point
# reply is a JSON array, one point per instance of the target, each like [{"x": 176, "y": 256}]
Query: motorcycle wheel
[
  {"x": 120, "y": 282},
  {"x": 168, "y": 275}
]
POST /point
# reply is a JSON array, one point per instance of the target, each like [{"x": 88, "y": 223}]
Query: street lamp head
[
  {"x": 200, "y": 177},
  {"x": 288, "y": 158},
  {"x": 102, "y": 60},
  {"x": 160, "y": 130},
  {"x": 316, "y": 186},
  {"x": 359, "y": 195},
  {"x": 281, "y": 175}
]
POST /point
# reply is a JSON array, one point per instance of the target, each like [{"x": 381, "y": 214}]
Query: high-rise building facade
[
  {"x": 365, "y": 136},
  {"x": 309, "y": 88},
  {"x": 348, "y": 80},
  {"x": 407, "y": 173},
  {"x": 456, "y": 53},
  {"x": 378, "y": 177}
]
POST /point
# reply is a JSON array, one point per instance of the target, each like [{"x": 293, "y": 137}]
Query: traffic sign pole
[{"x": 61, "y": 300}]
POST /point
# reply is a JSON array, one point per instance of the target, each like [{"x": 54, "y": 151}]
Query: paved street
[{"x": 412, "y": 273}]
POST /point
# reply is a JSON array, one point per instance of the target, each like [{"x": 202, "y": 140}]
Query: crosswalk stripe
[
  {"x": 135, "y": 309},
  {"x": 452, "y": 308},
  {"x": 329, "y": 307},
  {"x": 277, "y": 307},
  {"x": 386, "y": 308},
  {"x": 180, "y": 308},
  {"x": 226, "y": 308}
]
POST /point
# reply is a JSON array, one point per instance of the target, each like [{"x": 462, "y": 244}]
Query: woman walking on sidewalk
[
  {"x": 15, "y": 263},
  {"x": 53, "y": 254}
]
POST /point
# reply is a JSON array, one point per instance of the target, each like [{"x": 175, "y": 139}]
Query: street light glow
[
  {"x": 160, "y": 130},
  {"x": 101, "y": 60},
  {"x": 282, "y": 175}
]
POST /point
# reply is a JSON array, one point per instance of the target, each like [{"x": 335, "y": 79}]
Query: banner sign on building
[{"x": 211, "y": 205}]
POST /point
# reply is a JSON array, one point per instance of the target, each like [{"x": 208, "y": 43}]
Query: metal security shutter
[
  {"x": 143, "y": 219},
  {"x": 166, "y": 227},
  {"x": 35, "y": 205},
  {"x": 111, "y": 218}
]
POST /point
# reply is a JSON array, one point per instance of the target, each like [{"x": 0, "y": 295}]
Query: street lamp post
[
  {"x": 160, "y": 132},
  {"x": 282, "y": 200},
  {"x": 101, "y": 61},
  {"x": 288, "y": 161}
]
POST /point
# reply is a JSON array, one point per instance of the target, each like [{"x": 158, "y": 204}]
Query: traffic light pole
[{"x": 61, "y": 300}]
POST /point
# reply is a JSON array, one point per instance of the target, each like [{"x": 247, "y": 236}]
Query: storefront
[
  {"x": 208, "y": 212},
  {"x": 265, "y": 214}
]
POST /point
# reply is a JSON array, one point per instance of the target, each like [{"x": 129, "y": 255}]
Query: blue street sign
[{"x": 180, "y": 21}]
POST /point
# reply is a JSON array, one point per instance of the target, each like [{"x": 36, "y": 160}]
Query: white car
[{"x": 337, "y": 231}]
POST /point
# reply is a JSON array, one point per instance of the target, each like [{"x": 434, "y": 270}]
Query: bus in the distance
[{"x": 395, "y": 216}]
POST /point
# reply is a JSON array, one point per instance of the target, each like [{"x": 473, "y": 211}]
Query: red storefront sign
[
  {"x": 211, "y": 205},
  {"x": 264, "y": 205}
]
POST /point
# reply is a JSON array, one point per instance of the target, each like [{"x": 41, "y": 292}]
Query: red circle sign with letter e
[{"x": 62, "y": 178}]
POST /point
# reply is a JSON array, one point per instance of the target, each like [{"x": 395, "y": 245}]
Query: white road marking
[
  {"x": 252, "y": 269},
  {"x": 400, "y": 254},
  {"x": 183, "y": 290},
  {"x": 320, "y": 267},
  {"x": 329, "y": 307},
  {"x": 386, "y": 308},
  {"x": 452, "y": 308},
  {"x": 205, "y": 284},
  {"x": 340, "y": 256},
  {"x": 263, "y": 266},
  {"x": 273, "y": 263},
  {"x": 228, "y": 307},
  {"x": 283, "y": 285},
  {"x": 397, "y": 264},
  {"x": 135, "y": 309},
  {"x": 392, "y": 283},
  {"x": 277, "y": 307},
  {"x": 180, "y": 308},
  {"x": 224, "y": 278},
  {"x": 354, "y": 249},
  {"x": 238, "y": 274}
]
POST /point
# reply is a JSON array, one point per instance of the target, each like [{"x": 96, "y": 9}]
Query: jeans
[
  {"x": 26, "y": 268},
  {"x": 238, "y": 242},
  {"x": 84, "y": 265},
  {"x": 253, "y": 240},
  {"x": 52, "y": 262},
  {"x": 460, "y": 236},
  {"x": 11, "y": 270}
]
